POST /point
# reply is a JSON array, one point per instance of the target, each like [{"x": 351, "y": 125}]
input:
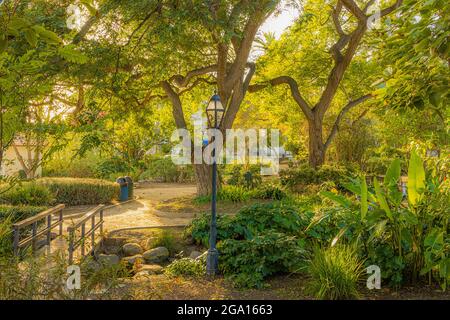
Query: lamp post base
[{"x": 212, "y": 262}]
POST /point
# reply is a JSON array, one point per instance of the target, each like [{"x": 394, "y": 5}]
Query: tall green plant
[{"x": 415, "y": 227}]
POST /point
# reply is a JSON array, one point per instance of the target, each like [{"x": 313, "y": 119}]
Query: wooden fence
[
  {"x": 46, "y": 215},
  {"x": 75, "y": 241}
]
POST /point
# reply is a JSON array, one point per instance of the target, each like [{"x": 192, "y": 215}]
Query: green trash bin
[{"x": 130, "y": 187}]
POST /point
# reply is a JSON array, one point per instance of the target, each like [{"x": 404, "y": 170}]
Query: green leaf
[
  {"x": 70, "y": 54},
  {"x": 410, "y": 218},
  {"x": 435, "y": 99},
  {"x": 19, "y": 23},
  {"x": 364, "y": 204},
  {"x": 416, "y": 178},
  {"x": 381, "y": 199},
  {"x": 30, "y": 36},
  {"x": 392, "y": 173},
  {"x": 47, "y": 35},
  {"x": 13, "y": 32},
  {"x": 343, "y": 201},
  {"x": 435, "y": 239}
]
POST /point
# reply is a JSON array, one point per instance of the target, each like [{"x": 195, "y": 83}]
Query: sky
[{"x": 278, "y": 23}]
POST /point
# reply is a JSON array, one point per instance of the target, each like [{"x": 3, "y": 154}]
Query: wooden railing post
[
  {"x": 60, "y": 222},
  {"x": 101, "y": 221},
  {"x": 33, "y": 243},
  {"x": 83, "y": 232},
  {"x": 49, "y": 231},
  {"x": 93, "y": 232},
  {"x": 71, "y": 249},
  {"x": 16, "y": 240}
]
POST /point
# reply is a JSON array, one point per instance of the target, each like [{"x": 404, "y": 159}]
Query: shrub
[
  {"x": 244, "y": 176},
  {"x": 40, "y": 278},
  {"x": 278, "y": 216},
  {"x": 334, "y": 272},
  {"x": 110, "y": 167},
  {"x": 64, "y": 165},
  {"x": 8, "y": 216},
  {"x": 248, "y": 262},
  {"x": 19, "y": 212},
  {"x": 5, "y": 236},
  {"x": 198, "y": 229},
  {"x": 269, "y": 192},
  {"x": 406, "y": 234},
  {"x": 186, "y": 267},
  {"x": 300, "y": 178},
  {"x": 251, "y": 221},
  {"x": 164, "y": 170},
  {"x": 28, "y": 193},
  {"x": 233, "y": 194},
  {"x": 73, "y": 191},
  {"x": 165, "y": 238}
]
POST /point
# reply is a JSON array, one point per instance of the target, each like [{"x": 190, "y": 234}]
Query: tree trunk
[
  {"x": 203, "y": 175},
  {"x": 316, "y": 145}
]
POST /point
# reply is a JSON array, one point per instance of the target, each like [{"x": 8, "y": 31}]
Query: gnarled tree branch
[
  {"x": 293, "y": 85},
  {"x": 342, "y": 114}
]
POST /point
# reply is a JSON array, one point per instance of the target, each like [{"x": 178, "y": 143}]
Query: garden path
[{"x": 142, "y": 212}]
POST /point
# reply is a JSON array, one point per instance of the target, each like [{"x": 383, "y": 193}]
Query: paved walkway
[{"x": 142, "y": 212}]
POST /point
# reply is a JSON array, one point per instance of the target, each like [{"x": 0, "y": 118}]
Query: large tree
[
  {"x": 350, "y": 21},
  {"x": 161, "y": 50}
]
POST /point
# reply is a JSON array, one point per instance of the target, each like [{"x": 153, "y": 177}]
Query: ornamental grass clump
[
  {"x": 186, "y": 267},
  {"x": 335, "y": 273}
]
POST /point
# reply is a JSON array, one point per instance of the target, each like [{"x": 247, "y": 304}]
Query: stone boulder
[
  {"x": 195, "y": 254},
  {"x": 133, "y": 259},
  {"x": 141, "y": 275},
  {"x": 108, "y": 259},
  {"x": 150, "y": 269},
  {"x": 131, "y": 249},
  {"x": 158, "y": 254}
]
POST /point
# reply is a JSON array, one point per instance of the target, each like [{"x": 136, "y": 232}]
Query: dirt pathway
[{"x": 142, "y": 212}]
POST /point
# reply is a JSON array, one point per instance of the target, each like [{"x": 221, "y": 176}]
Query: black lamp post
[{"x": 215, "y": 112}]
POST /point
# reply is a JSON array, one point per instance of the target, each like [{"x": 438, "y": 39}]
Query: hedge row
[{"x": 72, "y": 192}]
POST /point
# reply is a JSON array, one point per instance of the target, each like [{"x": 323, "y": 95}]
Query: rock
[
  {"x": 133, "y": 259},
  {"x": 92, "y": 266},
  {"x": 108, "y": 259},
  {"x": 150, "y": 268},
  {"x": 114, "y": 241},
  {"x": 156, "y": 255},
  {"x": 131, "y": 249},
  {"x": 141, "y": 275},
  {"x": 112, "y": 249},
  {"x": 195, "y": 254}
]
